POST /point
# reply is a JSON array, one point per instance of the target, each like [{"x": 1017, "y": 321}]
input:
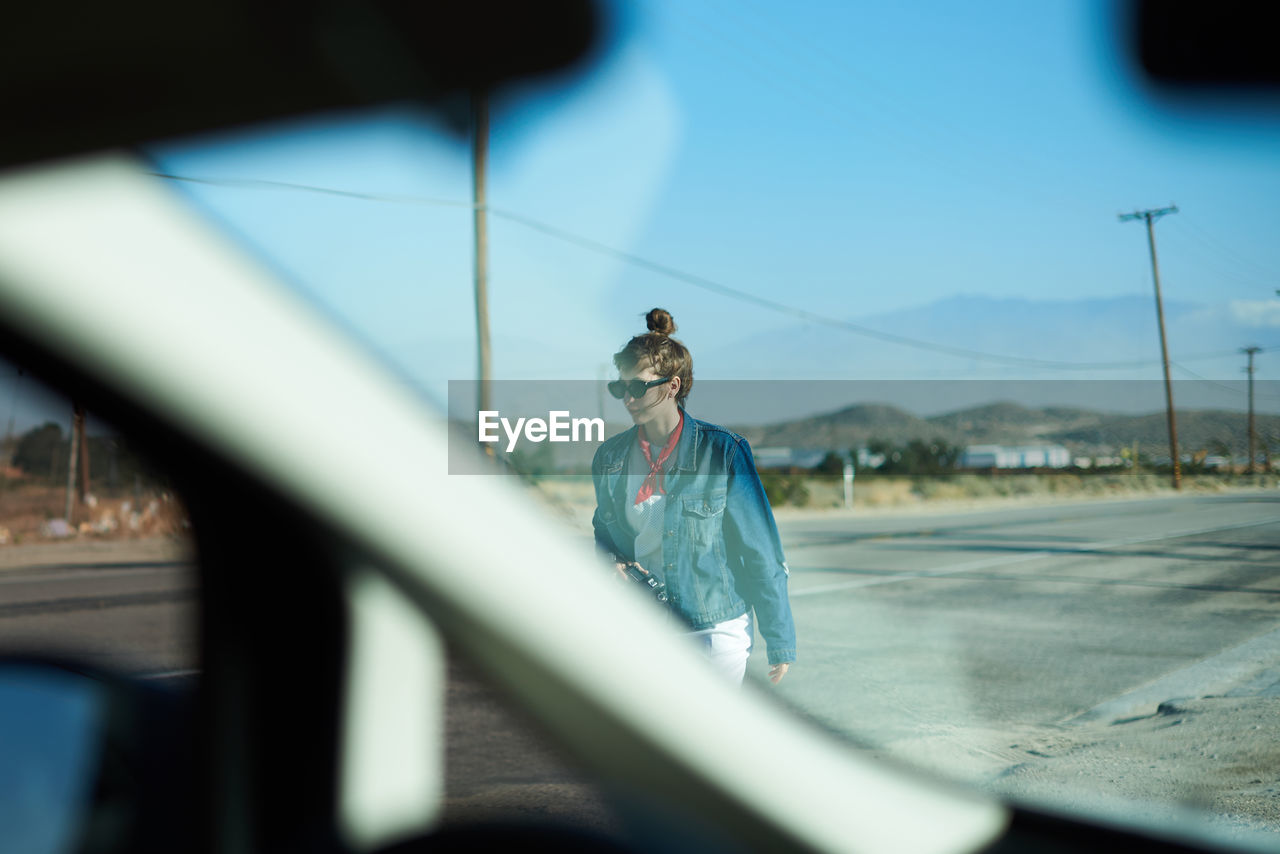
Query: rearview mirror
[
  {"x": 92, "y": 762},
  {"x": 50, "y": 749}
]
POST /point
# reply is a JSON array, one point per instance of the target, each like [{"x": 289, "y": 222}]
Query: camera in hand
[{"x": 659, "y": 590}]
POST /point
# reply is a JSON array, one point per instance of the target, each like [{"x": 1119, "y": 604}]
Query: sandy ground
[
  {"x": 1190, "y": 764},
  {"x": 1203, "y": 753}
]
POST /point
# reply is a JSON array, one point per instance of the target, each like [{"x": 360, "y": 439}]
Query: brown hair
[{"x": 668, "y": 356}]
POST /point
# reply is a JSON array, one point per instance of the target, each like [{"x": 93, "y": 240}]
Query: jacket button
[{"x": 671, "y": 533}]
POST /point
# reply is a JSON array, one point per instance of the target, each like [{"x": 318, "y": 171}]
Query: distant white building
[
  {"x": 807, "y": 458},
  {"x": 778, "y": 458},
  {"x": 1015, "y": 457}
]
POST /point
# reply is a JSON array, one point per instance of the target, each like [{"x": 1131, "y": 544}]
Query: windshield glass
[{"x": 996, "y": 322}]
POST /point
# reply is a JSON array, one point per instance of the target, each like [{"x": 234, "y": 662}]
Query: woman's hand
[
  {"x": 621, "y": 567},
  {"x": 778, "y": 671}
]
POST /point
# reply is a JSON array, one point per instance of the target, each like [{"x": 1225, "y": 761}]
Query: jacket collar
[{"x": 686, "y": 450}]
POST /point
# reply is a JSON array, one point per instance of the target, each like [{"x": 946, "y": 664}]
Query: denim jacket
[{"x": 721, "y": 553}]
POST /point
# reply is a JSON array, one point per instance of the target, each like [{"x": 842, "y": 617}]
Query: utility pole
[
  {"x": 1253, "y": 442},
  {"x": 479, "y": 166},
  {"x": 83, "y": 492},
  {"x": 77, "y": 432},
  {"x": 10, "y": 447},
  {"x": 1151, "y": 216}
]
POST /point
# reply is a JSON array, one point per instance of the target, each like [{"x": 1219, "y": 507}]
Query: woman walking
[{"x": 680, "y": 498}]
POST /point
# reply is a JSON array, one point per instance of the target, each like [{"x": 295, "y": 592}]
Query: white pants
[{"x": 727, "y": 645}]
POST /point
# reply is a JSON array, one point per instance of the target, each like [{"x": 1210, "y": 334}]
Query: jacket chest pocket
[{"x": 703, "y": 517}]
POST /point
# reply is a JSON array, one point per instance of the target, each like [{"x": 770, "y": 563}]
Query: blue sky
[{"x": 850, "y": 160}]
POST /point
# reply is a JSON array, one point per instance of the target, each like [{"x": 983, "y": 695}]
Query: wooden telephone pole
[
  {"x": 78, "y": 465},
  {"x": 1253, "y": 441},
  {"x": 479, "y": 166},
  {"x": 1151, "y": 216}
]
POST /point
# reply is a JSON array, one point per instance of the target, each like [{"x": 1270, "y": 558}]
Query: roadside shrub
[{"x": 783, "y": 489}]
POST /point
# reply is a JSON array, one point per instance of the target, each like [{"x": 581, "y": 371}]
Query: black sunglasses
[{"x": 635, "y": 388}]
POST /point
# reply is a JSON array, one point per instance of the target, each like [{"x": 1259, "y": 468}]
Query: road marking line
[
  {"x": 1129, "y": 541},
  {"x": 922, "y": 573},
  {"x": 1022, "y": 558}
]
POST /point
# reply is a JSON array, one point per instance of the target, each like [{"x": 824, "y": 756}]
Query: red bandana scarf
[{"x": 656, "y": 473}]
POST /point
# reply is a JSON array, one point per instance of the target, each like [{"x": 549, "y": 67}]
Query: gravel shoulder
[
  {"x": 1218, "y": 756},
  {"x": 1208, "y": 763}
]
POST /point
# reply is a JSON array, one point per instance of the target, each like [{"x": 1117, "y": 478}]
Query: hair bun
[{"x": 659, "y": 320}]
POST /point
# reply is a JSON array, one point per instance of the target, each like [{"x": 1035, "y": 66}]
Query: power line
[
  {"x": 693, "y": 279},
  {"x": 1243, "y": 266},
  {"x": 1206, "y": 381},
  {"x": 803, "y": 65},
  {"x": 1215, "y": 355},
  {"x": 260, "y": 184},
  {"x": 804, "y": 314},
  {"x": 1213, "y": 271}
]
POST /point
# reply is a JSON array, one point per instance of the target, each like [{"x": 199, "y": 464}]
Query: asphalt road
[
  {"x": 129, "y": 607},
  {"x": 978, "y": 644},
  {"x": 1025, "y": 649},
  {"x": 1022, "y": 615},
  {"x": 1120, "y": 657}
]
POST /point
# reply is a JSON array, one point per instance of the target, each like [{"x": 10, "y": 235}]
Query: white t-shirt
[
  {"x": 646, "y": 519},
  {"x": 727, "y": 643}
]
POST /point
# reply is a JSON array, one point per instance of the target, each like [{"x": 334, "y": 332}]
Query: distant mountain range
[
  {"x": 1110, "y": 330},
  {"x": 1081, "y": 430}
]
